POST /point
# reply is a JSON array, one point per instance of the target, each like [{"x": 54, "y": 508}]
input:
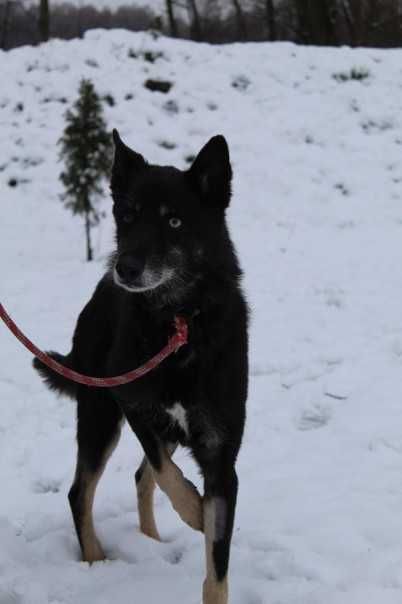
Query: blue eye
[{"x": 174, "y": 222}]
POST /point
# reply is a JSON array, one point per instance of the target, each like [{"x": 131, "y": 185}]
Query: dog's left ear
[
  {"x": 127, "y": 165},
  {"x": 211, "y": 172}
]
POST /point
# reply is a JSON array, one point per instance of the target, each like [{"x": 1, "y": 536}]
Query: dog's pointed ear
[
  {"x": 211, "y": 172},
  {"x": 127, "y": 165}
]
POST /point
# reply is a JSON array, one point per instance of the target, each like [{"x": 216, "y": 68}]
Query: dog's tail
[{"x": 53, "y": 380}]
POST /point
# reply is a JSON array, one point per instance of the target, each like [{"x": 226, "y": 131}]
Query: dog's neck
[{"x": 166, "y": 302}]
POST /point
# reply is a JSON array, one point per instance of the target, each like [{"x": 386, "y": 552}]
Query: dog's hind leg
[
  {"x": 98, "y": 432},
  {"x": 145, "y": 481}
]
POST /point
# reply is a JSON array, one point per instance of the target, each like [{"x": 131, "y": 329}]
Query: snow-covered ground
[{"x": 317, "y": 217}]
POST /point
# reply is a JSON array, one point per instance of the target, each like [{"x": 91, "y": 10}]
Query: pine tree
[{"x": 86, "y": 150}]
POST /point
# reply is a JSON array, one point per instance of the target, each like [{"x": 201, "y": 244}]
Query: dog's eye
[
  {"x": 127, "y": 218},
  {"x": 174, "y": 222}
]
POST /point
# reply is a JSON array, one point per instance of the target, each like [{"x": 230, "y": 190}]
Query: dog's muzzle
[
  {"x": 132, "y": 274},
  {"x": 129, "y": 269}
]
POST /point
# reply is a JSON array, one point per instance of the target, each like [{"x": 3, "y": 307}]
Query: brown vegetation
[{"x": 327, "y": 22}]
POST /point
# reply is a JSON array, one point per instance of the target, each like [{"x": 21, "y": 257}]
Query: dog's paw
[
  {"x": 94, "y": 553},
  {"x": 150, "y": 530}
]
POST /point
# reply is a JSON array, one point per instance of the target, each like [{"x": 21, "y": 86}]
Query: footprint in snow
[
  {"x": 45, "y": 486},
  {"x": 314, "y": 418},
  {"x": 9, "y": 597},
  {"x": 174, "y": 555}
]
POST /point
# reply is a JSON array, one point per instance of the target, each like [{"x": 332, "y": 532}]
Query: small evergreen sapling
[{"x": 86, "y": 150}]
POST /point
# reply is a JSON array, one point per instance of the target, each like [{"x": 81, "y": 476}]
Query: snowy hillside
[{"x": 316, "y": 143}]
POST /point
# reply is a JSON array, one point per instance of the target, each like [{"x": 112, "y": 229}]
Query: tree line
[{"x": 317, "y": 22}]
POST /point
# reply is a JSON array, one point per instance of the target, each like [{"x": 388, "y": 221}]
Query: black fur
[
  {"x": 54, "y": 380},
  {"x": 194, "y": 271}
]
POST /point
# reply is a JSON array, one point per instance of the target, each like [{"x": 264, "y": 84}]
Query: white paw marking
[{"x": 215, "y": 518}]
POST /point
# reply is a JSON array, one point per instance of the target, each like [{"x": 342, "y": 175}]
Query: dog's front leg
[
  {"x": 182, "y": 493},
  {"x": 219, "y": 510},
  {"x": 145, "y": 482}
]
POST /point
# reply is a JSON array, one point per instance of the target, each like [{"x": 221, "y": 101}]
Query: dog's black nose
[{"x": 129, "y": 267}]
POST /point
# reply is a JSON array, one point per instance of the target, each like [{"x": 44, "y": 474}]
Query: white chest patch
[{"x": 179, "y": 415}]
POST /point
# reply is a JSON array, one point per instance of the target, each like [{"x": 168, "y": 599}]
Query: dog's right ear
[{"x": 127, "y": 165}]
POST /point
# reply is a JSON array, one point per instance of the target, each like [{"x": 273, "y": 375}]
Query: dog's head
[{"x": 169, "y": 222}]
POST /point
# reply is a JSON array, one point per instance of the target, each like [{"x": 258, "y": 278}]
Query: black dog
[{"x": 174, "y": 258}]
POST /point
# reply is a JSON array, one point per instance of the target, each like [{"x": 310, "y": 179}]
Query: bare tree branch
[
  {"x": 43, "y": 21},
  {"x": 195, "y": 22},
  {"x": 5, "y": 23},
  {"x": 271, "y": 20},
  {"x": 240, "y": 20},
  {"x": 172, "y": 19}
]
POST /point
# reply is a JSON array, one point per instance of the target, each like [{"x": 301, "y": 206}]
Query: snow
[{"x": 317, "y": 218}]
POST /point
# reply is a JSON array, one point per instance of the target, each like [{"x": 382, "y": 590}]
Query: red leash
[{"x": 174, "y": 343}]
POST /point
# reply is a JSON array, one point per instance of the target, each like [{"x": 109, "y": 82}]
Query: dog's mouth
[{"x": 148, "y": 280}]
